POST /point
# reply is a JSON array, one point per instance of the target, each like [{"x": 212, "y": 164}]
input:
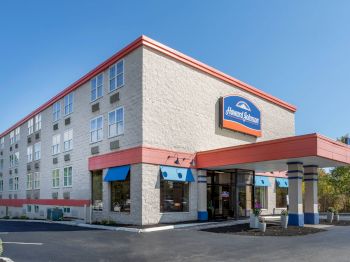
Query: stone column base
[
  {"x": 311, "y": 218},
  {"x": 296, "y": 220}
]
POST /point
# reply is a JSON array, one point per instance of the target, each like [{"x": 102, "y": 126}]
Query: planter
[
  {"x": 253, "y": 221},
  {"x": 330, "y": 217},
  {"x": 336, "y": 218},
  {"x": 284, "y": 221},
  {"x": 262, "y": 227}
]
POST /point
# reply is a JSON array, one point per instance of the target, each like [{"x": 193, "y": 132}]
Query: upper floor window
[
  {"x": 37, "y": 122},
  {"x": 56, "y": 111},
  {"x": 1, "y": 164},
  {"x": 11, "y": 184},
  {"x": 56, "y": 140},
  {"x": 36, "y": 180},
  {"x": 30, "y": 126},
  {"x": 96, "y": 87},
  {"x": 96, "y": 129},
  {"x": 29, "y": 181},
  {"x": 68, "y": 104},
  {"x": 67, "y": 176},
  {"x": 37, "y": 151},
  {"x": 55, "y": 178},
  {"x": 17, "y": 134},
  {"x": 116, "y": 122},
  {"x": 68, "y": 140},
  {"x": 29, "y": 154},
  {"x": 2, "y": 143},
  {"x": 12, "y": 137},
  {"x": 16, "y": 158},
  {"x": 1, "y": 184},
  {"x": 12, "y": 161},
  {"x": 116, "y": 76},
  {"x": 16, "y": 183}
]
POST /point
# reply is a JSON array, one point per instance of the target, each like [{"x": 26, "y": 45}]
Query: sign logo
[{"x": 240, "y": 114}]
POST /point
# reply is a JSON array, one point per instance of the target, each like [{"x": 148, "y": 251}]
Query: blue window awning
[
  {"x": 262, "y": 181},
  {"x": 281, "y": 182},
  {"x": 118, "y": 173},
  {"x": 176, "y": 174}
]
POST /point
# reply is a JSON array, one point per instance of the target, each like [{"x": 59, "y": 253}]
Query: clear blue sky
[{"x": 298, "y": 51}]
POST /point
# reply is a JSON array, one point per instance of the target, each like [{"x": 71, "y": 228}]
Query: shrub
[
  {"x": 284, "y": 212},
  {"x": 104, "y": 222},
  {"x": 257, "y": 212},
  {"x": 23, "y": 217},
  {"x": 331, "y": 210}
]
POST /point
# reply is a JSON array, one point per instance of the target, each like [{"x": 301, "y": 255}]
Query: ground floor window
[
  {"x": 120, "y": 195},
  {"x": 36, "y": 209},
  {"x": 281, "y": 197},
  {"x": 97, "y": 199},
  {"x": 66, "y": 210},
  {"x": 29, "y": 208},
  {"x": 174, "y": 196},
  {"x": 261, "y": 197}
]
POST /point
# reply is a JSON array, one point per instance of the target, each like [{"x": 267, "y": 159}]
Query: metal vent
[
  {"x": 114, "y": 98},
  {"x": 66, "y": 157},
  {"x": 36, "y": 165},
  {"x": 55, "y": 195},
  {"x": 95, "y": 150},
  {"x": 66, "y": 195},
  {"x": 29, "y": 167},
  {"x": 16, "y": 145},
  {"x": 55, "y": 126},
  {"x": 95, "y": 107},
  {"x": 29, "y": 140},
  {"x": 67, "y": 121},
  {"x": 37, "y": 136},
  {"x": 55, "y": 160},
  {"x": 16, "y": 171},
  {"x": 10, "y": 148},
  {"x": 36, "y": 194},
  {"x": 114, "y": 145},
  {"x": 10, "y": 172}
]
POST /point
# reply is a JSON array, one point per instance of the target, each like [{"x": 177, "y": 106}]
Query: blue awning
[
  {"x": 281, "y": 182},
  {"x": 117, "y": 173},
  {"x": 262, "y": 181},
  {"x": 176, "y": 174}
]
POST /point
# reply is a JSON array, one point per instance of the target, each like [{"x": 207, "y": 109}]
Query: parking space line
[{"x": 23, "y": 243}]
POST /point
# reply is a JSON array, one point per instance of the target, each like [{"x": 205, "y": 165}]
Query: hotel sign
[{"x": 239, "y": 114}]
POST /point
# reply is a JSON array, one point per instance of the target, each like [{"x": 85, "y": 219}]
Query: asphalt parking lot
[{"x": 24, "y": 241}]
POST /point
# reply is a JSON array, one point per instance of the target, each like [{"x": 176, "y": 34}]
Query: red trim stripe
[
  {"x": 46, "y": 202},
  {"x": 146, "y": 41}
]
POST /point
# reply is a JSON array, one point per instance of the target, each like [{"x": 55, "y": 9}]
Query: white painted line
[{"x": 23, "y": 243}]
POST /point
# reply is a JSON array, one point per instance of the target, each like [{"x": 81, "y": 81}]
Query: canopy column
[
  {"x": 295, "y": 179},
  {"x": 311, "y": 215},
  {"x": 202, "y": 195}
]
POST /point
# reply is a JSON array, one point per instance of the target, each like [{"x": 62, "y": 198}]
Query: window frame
[
  {"x": 69, "y": 141},
  {"x": 116, "y": 122},
  {"x": 96, "y": 88},
  {"x": 30, "y": 126},
  {"x": 12, "y": 137},
  {"x": 37, "y": 122},
  {"x": 36, "y": 180},
  {"x": 39, "y": 151},
  {"x": 70, "y": 102},
  {"x": 2, "y": 142},
  {"x": 55, "y": 178},
  {"x": 56, "y": 144},
  {"x": 29, "y": 181},
  {"x": 265, "y": 205},
  {"x": 189, "y": 197},
  {"x": 17, "y": 134},
  {"x": 115, "y": 65},
  {"x": 56, "y": 111},
  {"x": 281, "y": 188},
  {"x": 71, "y": 176},
  {"x": 96, "y": 130},
  {"x": 30, "y": 156}
]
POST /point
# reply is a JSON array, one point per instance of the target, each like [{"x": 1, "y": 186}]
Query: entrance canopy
[{"x": 273, "y": 155}]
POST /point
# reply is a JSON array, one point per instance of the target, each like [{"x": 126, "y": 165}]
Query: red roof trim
[{"x": 146, "y": 41}]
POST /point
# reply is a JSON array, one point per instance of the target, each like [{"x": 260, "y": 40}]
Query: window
[
  {"x": 12, "y": 137},
  {"x": 1, "y": 184},
  {"x": 36, "y": 180},
  {"x": 17, "y": 134},
  {"x": 281, "y": 197},
  {"x": 96, "y": 87},
  {"x": 56, "y": 139},
  {"x": 15, "y": 186},
  {"x": 30, "y": 126},
  {"x": 116, "y": 122},
  {"x": 96, "y": 129},
  {"x": 1, "y": 164},
  {"x": 68, "y": 104},
  {"x": 2, "y": 143},
  {"x": 261, "y": 196},
  {"x": 56, "y": 178},
  {"x": 68, "y": 140},
  {"x": 29, "y": 208},
  {"x": 56, "y": 111},
  {"x": 12, "y": 161},
  {"x": 29, "y": 181},
  {"x": 67, "y": 176},
  {"x": 29, "y": 154},
  {"x": 36, "y": 209},
  {"x": 120, "y": 195},
  {"x": 97, "y": 196},
  {"x": 37, "y": 151},
  {"x": 37, "y": 122},
  {"x": 11, "y": 184},
  {"x": 66, "y": 210},
  {"x": 116, "y": 76},
  {"x": 16, "y": 155},
  {"x": 174, "y": 196}
]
